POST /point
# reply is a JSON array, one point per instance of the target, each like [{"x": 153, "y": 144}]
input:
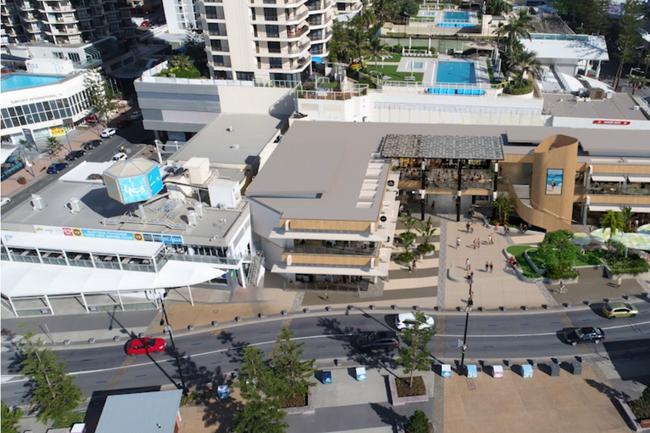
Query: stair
[{"x": 254, "y": 270}]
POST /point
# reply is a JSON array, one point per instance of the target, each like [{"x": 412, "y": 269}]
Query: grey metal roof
[
  {"x": 619, "y": 106},
  {"x": 143, "y": 412},
  {"x": 443, "y": 146}
]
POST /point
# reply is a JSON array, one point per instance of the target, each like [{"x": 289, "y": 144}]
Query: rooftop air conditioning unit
[
  {"x": 74, "y": 205},
  {"x": 38, "y": 202},
  {"x": 192, "y": 218},
  {"x": 383, "y": 218}
]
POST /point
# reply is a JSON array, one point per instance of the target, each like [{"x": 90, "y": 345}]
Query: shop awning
[
  {"x": 608, "y": 178},
  {"x": 603, "y": 208},
  {"x": 638, "y": 178}
]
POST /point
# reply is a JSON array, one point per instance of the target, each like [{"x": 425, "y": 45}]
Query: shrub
[
  {"x": 21, "y": 180},
  {"x": 426, "y": 248},
  {"x": 641, "y": 407},
  {"x": 516, "y": 89},
  {"x": 417, "y": 423}
]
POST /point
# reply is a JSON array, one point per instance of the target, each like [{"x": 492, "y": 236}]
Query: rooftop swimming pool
[
  {"x": 455, "y": 19},
  {"x": 455, "y": 73},
  {"x": 11, "y": 82}
]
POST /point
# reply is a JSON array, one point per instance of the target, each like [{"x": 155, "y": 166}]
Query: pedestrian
[
  {"x": 467, "y": 226},
  {"x": 468, "y": 265},
  {"x": 471, "y": 228},
  {"x": 562, "y": 286},
  {"x": 458, "y": 242},
  {"x": 410, "y": 268},
  {"x": 490, "y": 240},
  {"x": 491, "y": 267},
  {"x": 478, "y": 243},
  {"x": 413, "y": 264},
  {"x": 619, "y": 281},
  {"x": 487, "y": 266},
  {"x": 474, "y": 244}
]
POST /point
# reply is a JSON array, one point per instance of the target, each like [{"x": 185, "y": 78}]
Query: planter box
[
  {"x": 630, "y": 418},
  {"x": 400, "y": 401},
  {"x": 613, "y": 277},
  {"x": 304, "y": 410}
]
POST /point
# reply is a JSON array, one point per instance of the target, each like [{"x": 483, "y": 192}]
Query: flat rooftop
[
  {"x": 100, "y": 212},
  {"x": 619, "y": 106},
  {"x": 231, "y": 139},
  {"x": 143, "y": 412},
  {"x": 562, "y": 46},
  {"x": 318, "y": 171}
]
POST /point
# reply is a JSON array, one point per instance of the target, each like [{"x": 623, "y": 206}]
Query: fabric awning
[
  {"x": 608, "y": 178},
  {"x": 603, "y": 208},
  {"x": 638, "y": 178}
]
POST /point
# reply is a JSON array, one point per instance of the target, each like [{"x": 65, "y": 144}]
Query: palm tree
[
  {"x": 498, "y": 7},
  {"x": 627, "y": 216},
  {"x": 636, "y": 81},
  {"x": 376, "y": 48},
  {"x": 53, "y": 145},
  {"x": 503, "y": 206},
  {"x": 613, "y": 221},
  {"x": 525, "y": 66},
  {"x": 181, "y": 62},
  {"x": 517, "y": 28}
]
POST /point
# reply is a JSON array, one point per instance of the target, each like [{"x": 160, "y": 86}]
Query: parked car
[
  {"x": 619, "y": 309},
  {"x": 75, "y": 154},
  {"x": 377, "y": 340},
  {"x": 91, "y": 119},
  {"x": 136, "y": 115},
  {"x": 5, "y": 200},
  {"x": 89, "y": 145},
  {"x": 145, "y": 345},
  {"x": 589, "y": 334},
  {"x": 407, "y": 321},
  {"x": 119, "y": 156},
  {"x": 56, "y": 167},
  {"x": 108, "y": 132}
]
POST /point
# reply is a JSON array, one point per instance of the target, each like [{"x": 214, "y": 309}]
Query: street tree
[
  {"x": 629, "y": 38},
  {"x": 53, "y": 392},
  {"x": 414, "y": 355},
  {"x": 291, "y": 373},
  {"x": 417, "y": 423},
  {"x": 53, "y": 146},
  {"x": 101, "y": 96},
  {"x": 498, "y": 7},
  {"x": 10, "y": 418},
  {"x": 426, "y": 229},
  {"x": 613, "y": 221},
  {"x": 261, "y": 412},
  {"x": 503, "y": 207},
  {"x": 627, "y": 216},
  {"x": 558, "y": 253}
]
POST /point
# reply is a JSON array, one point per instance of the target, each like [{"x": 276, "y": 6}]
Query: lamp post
[
  {"x": 165, "y": 321},
  {"x": 468, "y": 309}
]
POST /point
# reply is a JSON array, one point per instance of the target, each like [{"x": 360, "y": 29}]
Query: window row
[{"x": 23, "y": 115}]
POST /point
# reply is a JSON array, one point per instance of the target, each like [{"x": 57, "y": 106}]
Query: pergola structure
[{"x": 458, "y": 150}]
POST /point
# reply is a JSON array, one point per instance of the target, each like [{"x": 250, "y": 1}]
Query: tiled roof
[{"x": 442, "y": 146}]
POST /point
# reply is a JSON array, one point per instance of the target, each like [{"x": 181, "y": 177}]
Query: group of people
[{"x": 512, "y": 261}]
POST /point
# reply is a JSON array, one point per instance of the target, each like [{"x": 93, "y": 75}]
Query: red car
[{"x": 144, "y": 345}]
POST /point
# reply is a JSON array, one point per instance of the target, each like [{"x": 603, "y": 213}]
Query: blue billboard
[{"x": 140, "y": 188}]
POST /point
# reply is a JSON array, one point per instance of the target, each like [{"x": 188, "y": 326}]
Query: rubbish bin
[
  {"x": 555, "y": 369},
  {"x": 472, "y": 371},
  {"x": 223, "y": 392},
  {"x": 576, "y": 368},
  {"x": 326, "y": 376},
  {"x": 527, "y": 371}
]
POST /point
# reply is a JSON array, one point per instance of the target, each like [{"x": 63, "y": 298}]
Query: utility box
[
  {"x": 360, "y": 373},
  {"x": 224, "y": 194},
  {"x": 445, "y": 371},
  {"x": 198, "y": 170},
  {"x": 576, "y": 368},
  {"x": 472, "y": 371},
  {"x": 326, "y": 377},
  {"x": 555, "y": 369}
]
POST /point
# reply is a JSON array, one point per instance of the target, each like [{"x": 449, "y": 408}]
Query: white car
[
  {"x": 120, "y": 156},
  {"x": 407, "y": 321},
  {"x": 108, "y": 132},
  {"x": 5, "y": 200}
]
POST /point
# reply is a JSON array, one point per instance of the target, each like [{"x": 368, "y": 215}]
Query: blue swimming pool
[
  {"x": 455, "y": 19},
  {"x": 11, "y": 82},
  {"x": 456, "y": 73}
]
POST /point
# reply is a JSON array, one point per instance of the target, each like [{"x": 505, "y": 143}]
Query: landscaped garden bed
[{"x": 404, "y": 388}]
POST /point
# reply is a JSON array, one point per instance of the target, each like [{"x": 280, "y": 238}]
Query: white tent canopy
[
  {"x": 572, "y": 83},
  {"x": 638, "y": 178},
  {"x": 608, "y": 178}
]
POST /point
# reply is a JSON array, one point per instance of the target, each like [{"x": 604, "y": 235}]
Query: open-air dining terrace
[
  {"x": 446, "y": 178},
  {"x": 334, "y": 247}
]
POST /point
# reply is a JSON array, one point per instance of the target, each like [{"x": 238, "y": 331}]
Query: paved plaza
[
  {"x": 543, "y": 404},
  {"x": 501, "y": 287}
]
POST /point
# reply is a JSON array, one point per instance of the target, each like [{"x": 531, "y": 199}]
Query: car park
[
  {"x": 612, "y": 310},
  {"x": 377, "y": 340},
  {"x": 407, "y": 321},
  {"x": 108, "y": 132},
  {"x": 75, "y": 154},
  {"x": 56, "y": 167},
  {"x": 89, "y": 145},
  {"x": 119, "y": 156},
  {"x": 588, "y": 334},
  {"x": 145, "y": 345}
]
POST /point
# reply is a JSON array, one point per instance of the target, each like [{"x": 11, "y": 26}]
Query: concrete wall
[
  {"x": 240, "y": 35},
  {"x": 256, "y": 100}
]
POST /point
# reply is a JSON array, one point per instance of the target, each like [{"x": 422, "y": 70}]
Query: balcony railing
[
  {"x": 333, "y": 95},
  {"x": 369, "y": 251}
]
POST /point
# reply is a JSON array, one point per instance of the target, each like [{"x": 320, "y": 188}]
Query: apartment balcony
[
  {"x": 286, "y": 51},
  {"x": 25, "y": 7},
  {"x": 320, "y": 6},
  {"x": 30, "y": 18},
  {"x": 62, "y": 19},
  {"x": 277, "y": 3},
  {"x": 331, "y": 264},
  {"x": 299, "y": 16},
  {"x": 324, "y": 36},
  {"x": 68, "y": 31}
]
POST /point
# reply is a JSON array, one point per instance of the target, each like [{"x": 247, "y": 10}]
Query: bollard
[
  {"x": 190, "y": 327},
  {"x": 237, "y": 318},
  {"x": 327, "y": 308},
  {"x": 393, "y": 306},
  {"x": 502, "y": 308},
  {"x": 415, "y": 308},
  {"x": 545, "y": 307}
]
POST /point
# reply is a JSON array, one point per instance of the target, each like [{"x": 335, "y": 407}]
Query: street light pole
[
  {"x": 171, "y": 339},
  {"x": 468, "y": 309}
]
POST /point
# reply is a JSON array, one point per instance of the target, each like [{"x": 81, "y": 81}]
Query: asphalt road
[
  {"x": 131, "y": 138},
  {"x": 205, "y": 356}
]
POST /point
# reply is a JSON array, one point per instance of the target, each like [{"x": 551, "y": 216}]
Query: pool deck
[{"x": 429, "y": 68}]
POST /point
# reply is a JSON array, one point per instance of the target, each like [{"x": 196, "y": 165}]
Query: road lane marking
[{"x": 9, "y": 379}]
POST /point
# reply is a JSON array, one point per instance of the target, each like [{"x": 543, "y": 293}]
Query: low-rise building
[{"x": 144, "y": 412}]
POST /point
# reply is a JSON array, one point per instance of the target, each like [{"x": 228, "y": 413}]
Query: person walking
[
  {"x": 458, "y": 242},
  {"x": 413, "y": 264},
  {"x": 490, "y": 240},
  {"x": 467, "y": 226},
  {"x": 491, "y": 267},
  {"x": 487, "y": 267},
  {"x": 468, "y": 265}
]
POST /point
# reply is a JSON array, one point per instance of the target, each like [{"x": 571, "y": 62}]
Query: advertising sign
[
  {"x": 554, "y": 179},
  {"x": 57, "y": 131},
  {"x": 140, "y": 188},
  {"x": 611, "y": 122},
  {"x": 111, "y": 234}
]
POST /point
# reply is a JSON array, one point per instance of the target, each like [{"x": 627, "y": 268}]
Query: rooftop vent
[
  {"x": 74, "y": 205},
  {"x": 233, "y": 146},
  {"x": 192, "y": 218},
  {"x": 229, "y": 129},
  {"x": 38, "y": 202}
]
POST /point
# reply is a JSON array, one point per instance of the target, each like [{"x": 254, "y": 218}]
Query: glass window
[
  {"x": 46, "y": 104},
  {"x": 5, "y": 112},
  {"x": 19, "y": 111}
]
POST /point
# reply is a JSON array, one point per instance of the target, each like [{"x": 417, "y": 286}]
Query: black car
[
  {"x": 57, "y": 167},
  {"x": 75, "y": 154},
  {"x": 377, "y": 340},
  {"x": 89, "y": 145},
  {"x": 589, "y": 334}
]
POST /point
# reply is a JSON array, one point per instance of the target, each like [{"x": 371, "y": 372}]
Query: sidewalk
[{"x": 501, "y": 287}]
